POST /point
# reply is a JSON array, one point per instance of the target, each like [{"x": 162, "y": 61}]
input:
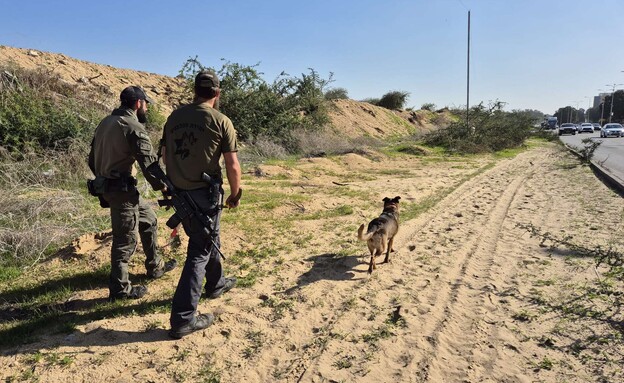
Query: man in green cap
[
  {"x": 121, "y": 140},
  {"x": 195, "y": 138}
]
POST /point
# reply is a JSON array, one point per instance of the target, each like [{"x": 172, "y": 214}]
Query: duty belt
[{"x": 101, "y": 185}]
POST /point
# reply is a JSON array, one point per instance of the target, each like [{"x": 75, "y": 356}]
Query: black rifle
[{"x": 183, "y": 204}]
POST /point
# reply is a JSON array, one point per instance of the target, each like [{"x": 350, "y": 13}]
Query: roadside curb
[
  {"x": 605, "y": 174},
  {"x": 610, "y": 178}
]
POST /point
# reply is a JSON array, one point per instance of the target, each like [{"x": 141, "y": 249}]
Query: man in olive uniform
[
  {"x": 120, "y": 141},
  {"x": 194, "y": 139}
]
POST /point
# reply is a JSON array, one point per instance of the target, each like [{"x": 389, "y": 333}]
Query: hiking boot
[
  {"x": 229, "y": 284},
  {"x": 167, "y": 267},
  {"x": 135, "y": 293},
  {"x": 200, "y": 322}
]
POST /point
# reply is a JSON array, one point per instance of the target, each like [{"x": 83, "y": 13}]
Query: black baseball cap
[
  {"x": 134, "y": 93},
  {"x": 207, "y": 78}
]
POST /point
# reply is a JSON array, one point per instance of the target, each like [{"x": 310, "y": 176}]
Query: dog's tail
[{"x": 361, "y": 235}]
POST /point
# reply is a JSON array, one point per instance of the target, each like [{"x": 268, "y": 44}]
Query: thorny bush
[
  {"x": 610, "y": 259},
  {"x": 269, "y": 110},
  {"x": 490, "y": 129},
  {"x": 38, "y": 110},
  {"x": 598, "y": 304}
]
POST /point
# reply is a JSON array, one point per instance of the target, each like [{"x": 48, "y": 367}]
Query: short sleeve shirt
[{"x": 195, "y": 136}]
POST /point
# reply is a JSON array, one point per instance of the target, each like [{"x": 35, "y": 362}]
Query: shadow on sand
[{"x": 331, "y": 267}]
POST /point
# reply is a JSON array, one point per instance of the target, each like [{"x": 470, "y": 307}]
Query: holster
[
  {"x": 123, "y": 184},
  {"x": 103, "y": 203},
  {"x": 100, "y": 185}
]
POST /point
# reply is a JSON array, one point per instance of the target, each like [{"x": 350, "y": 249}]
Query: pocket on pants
[{"x": 124, "y": 221}]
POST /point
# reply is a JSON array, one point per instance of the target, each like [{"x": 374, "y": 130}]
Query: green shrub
[
  {"x": 588, "y": 149},
  {"x": 270, "y": 110},
  {"x": 491, "y": 129},
  {"x": 546, "y": 135},
  {"x": 155, "y": 119},
  {"x": 393, "y": 100},
  {"x": 43, "y": 114},
  {"x": 428, "y": 106},
  {"x": 336, "y": 94}
]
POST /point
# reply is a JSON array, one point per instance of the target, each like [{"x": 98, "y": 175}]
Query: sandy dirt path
[{"x": 446, "y": 309}]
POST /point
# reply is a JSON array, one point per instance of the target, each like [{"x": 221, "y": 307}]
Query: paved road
[{"x": 610, "y": 154}]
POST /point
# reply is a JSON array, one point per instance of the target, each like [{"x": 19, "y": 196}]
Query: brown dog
[{"x": 381, "y": 231}]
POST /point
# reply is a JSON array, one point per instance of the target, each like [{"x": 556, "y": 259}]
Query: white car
[
  {"x": 612, "y": 130},
  {"x": 586, "y": 127},
  {"x": 567, "y": 128}
]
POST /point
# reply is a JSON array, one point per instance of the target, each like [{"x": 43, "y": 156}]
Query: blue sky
[{"x": 538, "y": 54}]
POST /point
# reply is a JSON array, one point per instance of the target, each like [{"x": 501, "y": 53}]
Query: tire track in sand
[
  {"x": 461, "y": 320},
  {"x": 461, "y": 235},
  {"x": 369, "y": 301},
  {"x": 466, "y": 305}
]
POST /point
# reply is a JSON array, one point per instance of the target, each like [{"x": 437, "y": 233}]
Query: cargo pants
[
  {"x": 129, "y": 213},
  {"x": 202, "y": 259}
]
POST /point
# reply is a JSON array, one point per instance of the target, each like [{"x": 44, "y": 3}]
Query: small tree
[
  {"x": 589, "y": 147},
  {"x": 494, "y": 130},
  {"x": 34, "y": 115},
  {"x": 155, "y": 119},
  {"x": 428, "y": 106},
  {"x": 270, "y": 110},
  {"x": 336, "y": 94},
  {"x": 393, "y": 100}
]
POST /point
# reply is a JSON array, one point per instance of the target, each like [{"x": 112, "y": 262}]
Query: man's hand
[
  {"x": 165, "y": 193},
  {"x": 233, "y": 171},
  {"x": 233, "y": 201}
]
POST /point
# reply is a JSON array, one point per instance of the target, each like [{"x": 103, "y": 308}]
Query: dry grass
[
  {"x": 42, "y": 204},
  {"x": 326, "y": 142}
]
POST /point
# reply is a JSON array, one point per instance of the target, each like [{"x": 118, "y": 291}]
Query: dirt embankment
[
  {"x": 355, "y": 119},
  {"x": 348, "y": 117},
  {"x": 96, "y": 78}
]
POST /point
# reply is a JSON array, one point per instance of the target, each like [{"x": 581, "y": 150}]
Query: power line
[{"x": 462, "y": 4}]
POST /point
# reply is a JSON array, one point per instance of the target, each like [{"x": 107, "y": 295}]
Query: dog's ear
[
  {"x": 396, "y": 199},
  {"x": 386, "y": 199}
]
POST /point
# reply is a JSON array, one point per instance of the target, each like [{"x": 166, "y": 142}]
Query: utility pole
[
  {"x": 576, "y": 112},
  {"x": 612, "y": 92},
  {"x": 468, "y": 78},
  {"x": 602, "y": 101}
]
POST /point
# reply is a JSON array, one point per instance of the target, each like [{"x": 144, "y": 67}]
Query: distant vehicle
[
  {"x": 612, "y": 130},
  {"x": 596, "y": 126},
  {"x": 551, "y": 123},
  {"x": 567, "y": 128},
  {"x": 586, "y": 127}
]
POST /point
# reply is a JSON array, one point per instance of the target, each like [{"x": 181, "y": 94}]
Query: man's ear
[{"x": 137, "y": 105}]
